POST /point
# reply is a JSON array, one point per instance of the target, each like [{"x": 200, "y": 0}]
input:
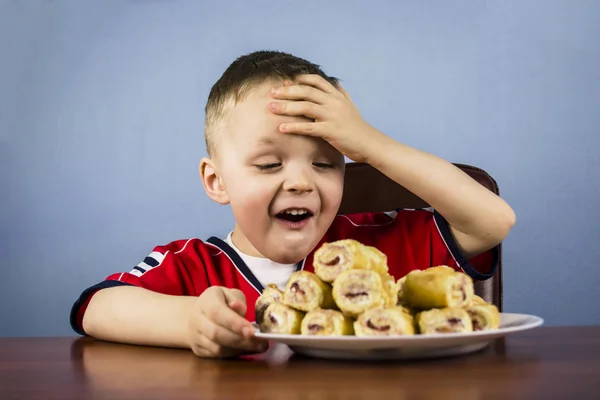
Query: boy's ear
[{"x": 212, "y": 181}]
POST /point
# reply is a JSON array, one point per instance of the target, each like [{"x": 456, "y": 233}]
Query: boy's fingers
[
  {"x": 218, "y": 334},
  {"x": 238, "y": 307},
  {"x": 298, "y": 108},
  {"x": 318, "y": 82},
  {"x": 221, "y": 336},
  {"x": 217, "y": 310},
  {"x": 345, "y": 93},
  {"x": 205, "y": 347},
  {"x": 236, "y": 300},
  {"x": 222, "y": 315},
  {"x": 227, "y": 308},
  {"x": 208, "y": 348},
  {"x": 300, "y": 92},
  {"x": 303, "y": 128},
  {"x": 234, "y": 294},
  {"x": 232, "y": 314}
]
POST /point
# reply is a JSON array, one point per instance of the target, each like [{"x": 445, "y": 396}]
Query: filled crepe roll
[
  {"x": 437, "y": 287},
  {"x": 439, "y": 269},
  {"x": 478, "y": 300},
  {"x": 279, "y": 318},
  {"x": 392, "y": 290},
  {"x": 321, "y": 322},
  {"x": 384, "y": 322},
  {"x": 407, "y": 311},
  {"x": 270, "y": 294},
  {"x": 306, "y": 292},
  {"x": 333, "y": 258},
  {"x": 484, "y": 316},
  {"x": 357, "y": 290},
  {"x": 400, "y": 291},
  {"x": 444, "y": 320}
]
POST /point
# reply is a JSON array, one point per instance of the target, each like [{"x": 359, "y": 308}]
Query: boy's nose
[{"x": 298, "y": 183}]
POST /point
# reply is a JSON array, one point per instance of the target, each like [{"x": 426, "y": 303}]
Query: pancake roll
[
  {"x": 279, "y": 318},
  {"x": 322, "y": 322},
  {"x": 383, "y": 321},
  {"x": 444, "y": 320},
  {"x": 392, "y": 290},
  {"x": 483, "y": 315},
  {"x": 305, "y": 291},
  {"x": 400, "y": 291},
  {"x": 270, "y": 294},
  {"x": 333, "y": 258},
  {"x": 357, "y": 290},
  {"x": 437, "y": 287}
]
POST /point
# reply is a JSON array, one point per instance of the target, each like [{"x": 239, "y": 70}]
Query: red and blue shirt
[{"x": 411, "y": 239}]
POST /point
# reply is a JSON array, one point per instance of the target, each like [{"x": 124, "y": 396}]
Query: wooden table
[{"x": 544, "y": 363}]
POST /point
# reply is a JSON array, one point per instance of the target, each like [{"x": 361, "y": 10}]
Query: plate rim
[{"x": 533, "y": 321}]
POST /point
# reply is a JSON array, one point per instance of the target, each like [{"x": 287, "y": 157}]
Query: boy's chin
[{"x": 288, "y": 255}]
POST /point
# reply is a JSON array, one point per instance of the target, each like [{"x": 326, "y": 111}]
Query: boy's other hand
[
  {"x": 336, "y": 118},
  {"x": 217, "y": 327}
]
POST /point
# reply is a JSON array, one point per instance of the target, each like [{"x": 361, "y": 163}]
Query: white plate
[{"x": 403, "y": 347}]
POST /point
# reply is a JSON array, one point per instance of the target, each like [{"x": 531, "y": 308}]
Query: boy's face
[{"x": 284, "y": 189}]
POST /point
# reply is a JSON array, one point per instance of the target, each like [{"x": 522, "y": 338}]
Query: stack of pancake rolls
[{"x": 352, "y": 293}]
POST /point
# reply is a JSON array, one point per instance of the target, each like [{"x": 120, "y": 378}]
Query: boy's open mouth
[{"x": 294, "y": 215}]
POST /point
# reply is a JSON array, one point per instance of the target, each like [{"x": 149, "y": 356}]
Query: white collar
[{"x": 265, "y": 270}]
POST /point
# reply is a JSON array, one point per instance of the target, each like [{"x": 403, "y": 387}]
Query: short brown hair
[{"x": 246, "y": 73}]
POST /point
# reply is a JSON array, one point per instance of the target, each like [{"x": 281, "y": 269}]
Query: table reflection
[{"x": 116, "y": 371}]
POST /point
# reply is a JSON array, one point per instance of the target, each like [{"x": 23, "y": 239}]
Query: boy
[{"x": 277, "y": 129}]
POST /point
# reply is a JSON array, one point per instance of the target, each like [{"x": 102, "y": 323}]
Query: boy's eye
[
  {"x": 265, "y": 167},
  {"x": 323, "y": 165}
]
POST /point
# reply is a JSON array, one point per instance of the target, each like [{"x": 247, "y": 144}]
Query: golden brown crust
[
  {"x": 270, "y": 294},
  {"x": 484, "y": 316},
  {"x": 444, "y": 320},
  {"x": 437, "y": 287},
  {"x": 305, "y": 291},
  {"x": 385, "y": 321},
  {"x": 321, "y": 322},
  {"x": 279, "y": 318},
  {"x": 356, "y": 291},
  {"x": 331, "y": 259},
  {"x": 352, "y": 293}
]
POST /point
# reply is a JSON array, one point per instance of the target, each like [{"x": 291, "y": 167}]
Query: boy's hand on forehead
[{"x": 336, "y": 118}]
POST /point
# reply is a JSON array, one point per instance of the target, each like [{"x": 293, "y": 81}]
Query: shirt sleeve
[
  {"x": 164, "y": 271},
  {"x": 428, "y": 235},
  {"x": 480, "y": 267}
]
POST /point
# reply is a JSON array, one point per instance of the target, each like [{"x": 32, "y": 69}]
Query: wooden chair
[{"x": 386, "y": 195}]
